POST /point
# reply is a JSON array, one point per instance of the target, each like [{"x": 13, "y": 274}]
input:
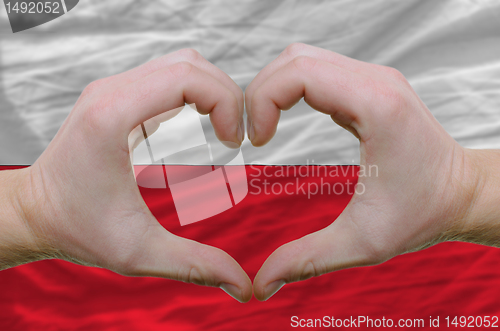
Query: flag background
[{"x": 448, "y": 50}]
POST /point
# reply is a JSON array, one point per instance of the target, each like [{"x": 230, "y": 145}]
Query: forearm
[
  {"x": 17, "y": 240},
  {"x": 481, "y": 223}
]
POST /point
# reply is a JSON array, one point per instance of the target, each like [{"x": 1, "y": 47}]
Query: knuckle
[
  {"x": 311, "y": 269},
  {"x": 295, "y": 49},
  {"x": 391, "y": 101},
  {"x": 191, "y": 274},
  {"x": 98, "y": 113},
  {"x": 189, "y": 54},
  {"x": 195, "y": 277},
  {"x": 304, "y": 63},
  {"x": 395, "y": 74},
  {"x": 391, "y": 97},
  {"x": 93, "y": 88},
  {"x": 181, "y": 69}
]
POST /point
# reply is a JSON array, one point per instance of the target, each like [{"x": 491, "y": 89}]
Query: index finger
[
  {"x": 344, "y": 95},
  {"x": 184, "y": 55},
  {"x": 298, "y": 49},
  {"x": 116, "y": 114}
]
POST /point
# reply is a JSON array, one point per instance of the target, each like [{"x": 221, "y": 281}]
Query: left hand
[{"x": 425, "y": 183}]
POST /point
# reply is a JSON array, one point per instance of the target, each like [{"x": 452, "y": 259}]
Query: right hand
[{"x": 80, "y": 202}]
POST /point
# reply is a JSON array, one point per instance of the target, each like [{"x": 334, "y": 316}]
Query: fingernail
[
  {"x": 232, "y": 290},
  {"x": 272, "y": 288},
  {"x": 250, "y": 129},
  {"x": 241, "y": 130}
]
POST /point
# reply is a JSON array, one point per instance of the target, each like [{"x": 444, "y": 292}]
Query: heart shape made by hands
[{"x": 91, "y": 212}]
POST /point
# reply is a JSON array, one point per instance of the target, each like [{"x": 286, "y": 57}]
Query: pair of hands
[{"x": 80, "y": 202}]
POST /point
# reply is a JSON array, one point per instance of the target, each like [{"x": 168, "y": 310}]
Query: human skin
[
  {"x": 428, "y": 190},
  {"x": 79, "y": 201}
]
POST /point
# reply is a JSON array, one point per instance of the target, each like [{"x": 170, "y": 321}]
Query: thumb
[
  {"x": 332, "y": 248},
  {"x": 166, "y": 255}
]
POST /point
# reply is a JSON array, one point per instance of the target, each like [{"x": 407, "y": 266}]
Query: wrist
[
  {"x": 479, "y": 193},
  {"x": 18, "y": 241}
]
